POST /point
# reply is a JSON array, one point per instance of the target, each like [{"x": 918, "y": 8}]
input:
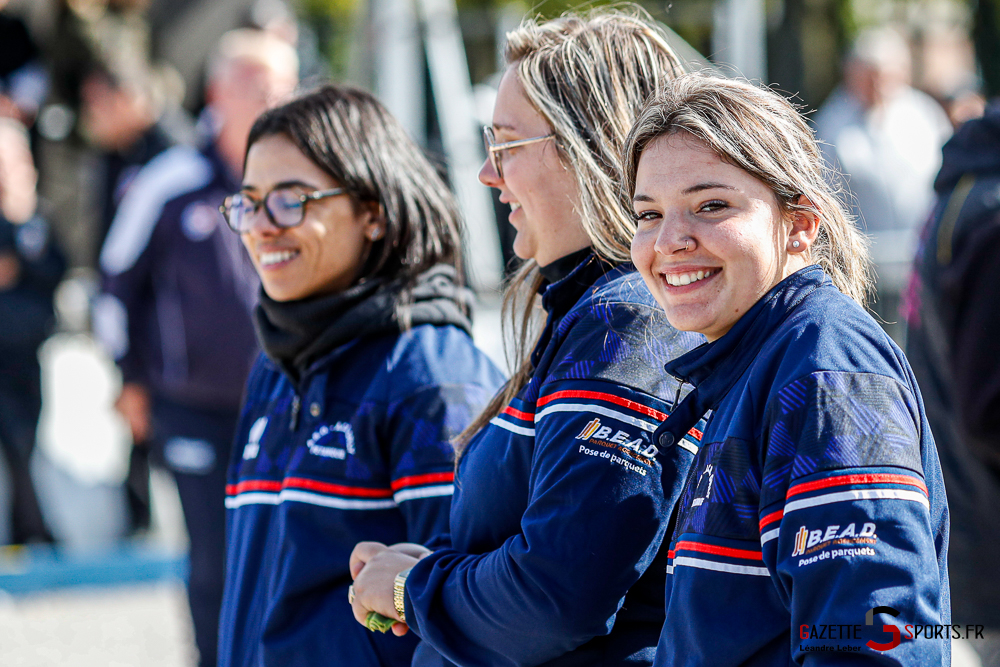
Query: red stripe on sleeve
[
  {"x": 696, "y": 434},
  {"x": 417, "y": 480},
  {"x": 601, "y": 396},
  {"x": 517, "y": 414},
  {"x": 719, "y": 551},
  {"x": 771, "y": 518},
  {"x": 252, "y": 485},
  {"x": 846, "y": 480},
  {"x": 335, "y": 489}
]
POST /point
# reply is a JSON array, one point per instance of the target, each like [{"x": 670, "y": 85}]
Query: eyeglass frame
[
  {"x": 262, "y": 204},
  {"x": 493, "y": 149}
]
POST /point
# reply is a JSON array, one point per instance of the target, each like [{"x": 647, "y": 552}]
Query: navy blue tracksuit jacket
[
  {"x": 561, "y": 502},
  {"x": 357, "y": 450},
  {"x": 814, "y": 520}
]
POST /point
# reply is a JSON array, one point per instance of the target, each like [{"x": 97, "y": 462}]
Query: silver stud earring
[
  {"x": 376, "y": 234},
  {"x": 795, "y": 244}
]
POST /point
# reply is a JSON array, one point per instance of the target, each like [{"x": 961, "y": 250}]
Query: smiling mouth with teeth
[
  {"x": 681, "y": 279},
  {"x": 514, "y": 206},
  {"x": 277, "y": 257}
]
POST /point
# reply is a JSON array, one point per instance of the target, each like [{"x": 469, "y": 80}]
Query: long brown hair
[{"x": 588, "y": 76}]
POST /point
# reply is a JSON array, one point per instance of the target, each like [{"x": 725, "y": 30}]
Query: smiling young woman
[
  {"x": 817, "y": 494},
  {"x": 368, "y": 371}
]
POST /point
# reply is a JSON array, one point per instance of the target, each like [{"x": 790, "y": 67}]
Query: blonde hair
[
  {"x": 760, "y": 132},
  {"x": 588, "y": 76}
]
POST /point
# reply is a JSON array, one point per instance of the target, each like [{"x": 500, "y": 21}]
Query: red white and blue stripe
[
  {"x": 339, "y": 496},
  {"x": 703, "y": 553},
  {"x": 845, "y": 488},
  {"x": 521, "y": 418}
]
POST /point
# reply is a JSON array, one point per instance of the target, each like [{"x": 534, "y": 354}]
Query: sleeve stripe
[
  {"x": 771, "y": 518},
  {"x": 308, "y": 485},
  {"x": 424, "y": 492},
  {"x": 513, "y": 428},
  {"x": 417, "y": 480},
  {"x": 857, "y": 494},
  {"x": 685, "y": 545},
  {"x": 597, "y": 409},
  {"x": 518, "y": 414},
  {"x": 602, "y": 396},
  {"x": 320, "y": 500},
  {"x": 718, "y": 567},
  {"x": 845, "y": 480},
  {"x": 253, "y": 485}
]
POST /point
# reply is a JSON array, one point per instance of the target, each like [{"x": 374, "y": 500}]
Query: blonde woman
[
  {"x": 562, "y": 498},
  {"x": 813, "y": 528}
]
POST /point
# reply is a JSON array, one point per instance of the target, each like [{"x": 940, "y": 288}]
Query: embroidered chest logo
[
  {"x": 252, "y": 447},
  {"x": 323, "y": 439},
  {"x": 844, "y": 542},
  {"x": 703, "y": 490}
]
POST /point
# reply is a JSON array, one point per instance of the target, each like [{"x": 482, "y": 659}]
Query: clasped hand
[{"x": 374, "y": 567}]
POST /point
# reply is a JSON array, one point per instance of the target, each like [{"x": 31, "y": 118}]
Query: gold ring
[{"x": 350, "y": 594}]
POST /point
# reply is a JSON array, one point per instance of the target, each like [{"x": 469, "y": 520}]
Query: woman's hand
[
  {"x": 374, "y": 567},
  {"x": 418, "y": 551}
]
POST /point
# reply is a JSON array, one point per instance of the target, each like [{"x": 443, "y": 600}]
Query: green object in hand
[{"x": 376, "y": 621}]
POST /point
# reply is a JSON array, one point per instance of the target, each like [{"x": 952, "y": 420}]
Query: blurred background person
[
  {"x": 953, "y": 344},
  {"x": 130, "y": 114},
  {"x": 175, "y": 310},
  {"x": 30, "y": 269},
  {"x": 24, "y": 81},
  {"x": 885, "y": 137}
]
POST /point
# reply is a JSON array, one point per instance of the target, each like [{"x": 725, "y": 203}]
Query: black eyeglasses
[
  {"x": 284, "y": 207},
  {"x": 495, "y": 150}
]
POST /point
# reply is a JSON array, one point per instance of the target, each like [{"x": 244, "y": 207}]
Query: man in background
[
  {"x": 178, "y": 292},
  {"x": 886, "y": 137},
  {"x": 30, "y": 269}
]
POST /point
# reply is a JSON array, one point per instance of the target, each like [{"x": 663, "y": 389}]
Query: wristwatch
[{"x": 399, "y": 593}]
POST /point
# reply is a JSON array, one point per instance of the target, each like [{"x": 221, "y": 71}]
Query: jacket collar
[
  {"x": 560, "y": 296},
  {"x": 714, "y": 368}
]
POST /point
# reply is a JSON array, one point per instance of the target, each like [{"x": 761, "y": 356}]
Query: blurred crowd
[{"x": 111, "y": 174}]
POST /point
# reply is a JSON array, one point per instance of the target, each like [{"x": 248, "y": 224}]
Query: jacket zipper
[{"x": 296, "y": 405}]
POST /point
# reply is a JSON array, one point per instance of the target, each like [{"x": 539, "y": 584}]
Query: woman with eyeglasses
[
  {"x": 367, "y": 372},
  {"x": 562, "y": 498}
]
